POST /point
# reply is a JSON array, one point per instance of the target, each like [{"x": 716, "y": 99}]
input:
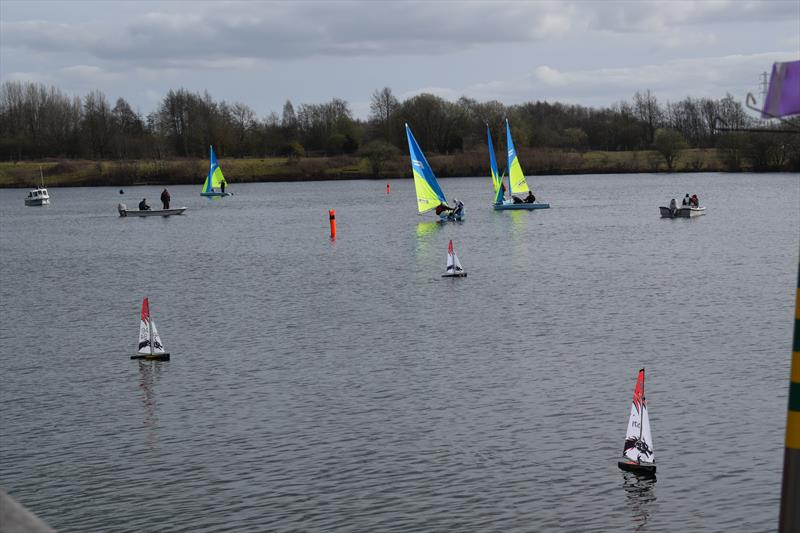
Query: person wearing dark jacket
[
  {"x": 165, "y": 198},
  {"x": 442, "y": 208},
  {"x": 143, "y": 205},
  {"x": 530, "y": 198}
]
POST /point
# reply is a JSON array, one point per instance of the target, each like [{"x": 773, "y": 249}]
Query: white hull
[
  {"x": 37, "y": 201},
  {"x": 682, "y": 212},
  {"x": 124, "y": 212}
]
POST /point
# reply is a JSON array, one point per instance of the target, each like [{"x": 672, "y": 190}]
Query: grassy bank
[{"x": 83, "y": 173}]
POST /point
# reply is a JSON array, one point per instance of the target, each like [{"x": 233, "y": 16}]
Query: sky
[{"x": 593, "y": 53}]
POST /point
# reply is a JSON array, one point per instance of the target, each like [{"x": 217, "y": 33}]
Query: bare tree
[
  {"x": 97, "y": 122},
  {"x": 382, "y": 106},
  {"x": 647, "y": 110}
]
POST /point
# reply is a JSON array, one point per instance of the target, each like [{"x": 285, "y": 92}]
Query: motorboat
[
  {"x": 39, "y": 195},
  {"x": 682, "y": 212},
  {"x": 125, "y": 212}
]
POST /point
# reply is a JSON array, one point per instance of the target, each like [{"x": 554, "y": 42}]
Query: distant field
[{"x": 81, "y": 173}]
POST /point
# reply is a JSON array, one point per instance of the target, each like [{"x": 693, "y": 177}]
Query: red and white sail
[
  {"x": 638, "y": 440},
  {"x": 453, "y": 264},
  {"x": 149, "y": 341}
]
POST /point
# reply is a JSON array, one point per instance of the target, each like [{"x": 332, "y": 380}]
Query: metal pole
[{"x": 789, "y": 520}]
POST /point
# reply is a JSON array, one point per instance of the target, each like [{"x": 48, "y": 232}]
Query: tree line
[{"x": 38, "y": 121}]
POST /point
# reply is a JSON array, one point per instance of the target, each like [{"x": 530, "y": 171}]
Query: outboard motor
[{"x": 122, "y": 208}]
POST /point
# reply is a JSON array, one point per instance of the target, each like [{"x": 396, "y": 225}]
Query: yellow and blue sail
[
  {"x": 516, "y": 178},
  {"x": 497, "y": 179},
  {"x": 215, "y": 178},
  {"x": 429, "y": 194}
]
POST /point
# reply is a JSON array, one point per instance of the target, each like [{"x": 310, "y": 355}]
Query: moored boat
[{"x": 39, "y": 195}]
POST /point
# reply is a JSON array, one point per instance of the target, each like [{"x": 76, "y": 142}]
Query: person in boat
[
  {"x": 530, "y": 198},
  {"x": 686, "y": 200},
  {"x": 459, "y": 206},
  {"x": 694, "y": 201},
  {"x": 222, "y": 186},
  {"x": 517, "y": 199},
  {"x": 143, "y": 205},
  {"x": 165, "y": 198},
  {"x": 673, "y": 206},
  {"x": 443, "y": 209}
]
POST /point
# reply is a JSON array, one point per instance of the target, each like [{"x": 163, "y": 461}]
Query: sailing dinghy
[
  {"x": 150, "y": 347},
  {"x": 454, "y": 268},
  {"x": 517, "y": 184},
  {"x": 638, "y": 455},
  {"x": 213, "y": 186},
  {"x": 429, "y": 193}
]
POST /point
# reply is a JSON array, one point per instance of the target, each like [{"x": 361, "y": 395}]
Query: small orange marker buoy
[
  {"x": 332, "y": 216},
  {"x": 388, "y": 189}
]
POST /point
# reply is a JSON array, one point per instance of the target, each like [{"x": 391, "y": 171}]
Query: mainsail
[
  {"x": 638, "y": 440},
  {"x": 215, "y": 178},
  {"x": 516, "y": 178},
  {"x": 149, "y": 341},
  {"x": 497, "y": 180},
  {"x": 453, "y": 264},
  {"x": 429, "y": 194}
]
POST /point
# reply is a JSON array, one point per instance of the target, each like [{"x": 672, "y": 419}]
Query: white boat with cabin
[{"x": 39, "y": 195}]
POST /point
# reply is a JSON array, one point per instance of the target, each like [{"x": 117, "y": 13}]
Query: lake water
[{"x": 318, "y": 385}]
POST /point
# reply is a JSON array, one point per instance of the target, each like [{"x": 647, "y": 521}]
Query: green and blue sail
[
  {"x": 429, "y": 194},
  {"x": 516, "y": 178},
  {"x": 215, "y": 178}
]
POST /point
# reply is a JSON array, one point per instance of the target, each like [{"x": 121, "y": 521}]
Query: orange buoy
[
  {"x": 332, "y": 216},
  {"x": 388, "y": 189}
]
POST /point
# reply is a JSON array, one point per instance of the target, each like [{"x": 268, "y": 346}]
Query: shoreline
[{"x": 538, "y": 162}]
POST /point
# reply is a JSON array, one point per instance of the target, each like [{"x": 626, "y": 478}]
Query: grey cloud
[
  {"x": 288, "y": 31},
  {"x": 646, "y": 16},
  {"x": 185, "y": 32}
]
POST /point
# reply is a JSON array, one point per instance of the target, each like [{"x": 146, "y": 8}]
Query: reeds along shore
[{"x": 88, "y": 173}]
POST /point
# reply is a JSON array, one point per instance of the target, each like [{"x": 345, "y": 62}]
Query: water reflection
[
  {"x": 425, "y": 233},
  {"x": 425, "y": 229},
  {"x": 518, "y": 224},
  {"x": 640, "y": 498},
  {"x": 149, "y": 372}
]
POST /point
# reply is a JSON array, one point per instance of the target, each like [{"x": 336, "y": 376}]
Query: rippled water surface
[{"x": 320, "y": 386}]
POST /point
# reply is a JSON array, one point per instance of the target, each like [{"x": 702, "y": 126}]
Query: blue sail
[
  {"x": 497, "y": 180},
  {"x": 429, "y": 194}
]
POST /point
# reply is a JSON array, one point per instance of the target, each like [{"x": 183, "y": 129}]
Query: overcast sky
[{"x": 263, "y": 53}]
